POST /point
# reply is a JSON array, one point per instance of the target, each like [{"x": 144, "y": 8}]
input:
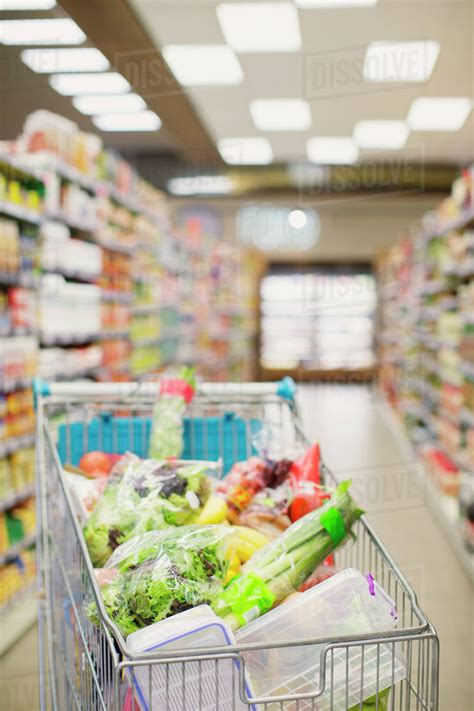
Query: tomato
[{"x": 95, "y": 464}]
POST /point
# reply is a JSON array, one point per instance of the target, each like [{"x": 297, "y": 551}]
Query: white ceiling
[{"x": 329, "y": 38}]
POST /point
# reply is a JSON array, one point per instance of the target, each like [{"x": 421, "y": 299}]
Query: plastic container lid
[
  {"x": 194, "y": 684},
  {"x": 349, "y": 603}
]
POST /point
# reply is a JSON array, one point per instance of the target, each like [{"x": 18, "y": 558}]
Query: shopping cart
[{"x": 87, "y": 667}]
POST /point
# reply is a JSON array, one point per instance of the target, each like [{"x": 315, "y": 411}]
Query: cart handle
[{"x": 285, "y": 388}]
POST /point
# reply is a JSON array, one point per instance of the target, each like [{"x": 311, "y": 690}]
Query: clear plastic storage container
[
  {"x": 347, "y": 604},
  {"x": 205, "y": 680}
]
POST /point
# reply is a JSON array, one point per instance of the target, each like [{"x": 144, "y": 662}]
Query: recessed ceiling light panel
[
  {"x": 138, "y": 121},
  {"x": 72, "y": 59},
  {"x": 260, "y": 26},
  {"x": 332, "y": 150},
  {"x": 381, "y": 134},
  {"x": 400, "y": 61},
  {"x": 41, "y": 32},
  {"x": 105, "y": 103},
  {"x": 17, "y": 5},
  {"x": 281, "y": 114},
  {"x": 100, "y": 83},
  {"x": 203, "y": 65},
  {"x": 439, "y": 113},
  {"x": 336, "y": 3},
  {"x": 246, "y": 151}
]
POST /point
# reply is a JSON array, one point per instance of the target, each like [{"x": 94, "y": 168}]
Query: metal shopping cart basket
[{"x": 85, "y": 667}]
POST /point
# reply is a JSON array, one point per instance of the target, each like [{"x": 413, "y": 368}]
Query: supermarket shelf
[
  {"x": 74, "y": 274},
  {"x": 457, "y": 223},
  {"x": 467, "y": 417},
  {"x": 444, "y": 508},
  {"x": 20, "y": 213},
  {"x": 17, "y": 497},
  {"x": 12, "y": 162},
  {"x": 16, "y": 619},
  {"x": 68, "y": 339},
  {"x": 15, "y": 550},
  {"x": 9, "y": 386},
  {"x": 13, "y": 444},
  {"x": 70, "y": 222},
  {"x": 144, "y": 309},
  {"x": 108, "y": 335},
  {"x": 8, "y": 279},
  {"x": 115, "y": 246},
  {"x": 118, "y": 297}
]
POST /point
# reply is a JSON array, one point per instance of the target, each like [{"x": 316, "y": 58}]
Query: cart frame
[{"x": 82, "y": 667}]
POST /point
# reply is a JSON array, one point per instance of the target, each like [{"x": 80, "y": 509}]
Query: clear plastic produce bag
[
  {"x": 161, "y": 573},
  {"x": 149, "y": 495}
]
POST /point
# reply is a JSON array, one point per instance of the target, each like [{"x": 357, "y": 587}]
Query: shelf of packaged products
[
  {"x": 74, "y": 274},
  {"x": 16, "y": 497},
  {"x": 156, "y": 340},
  {"x": 14, "y": 164},
  {"x": 68, "y": 339},
  {"x": 13, "y": 444},
  {"x": 115, "y": 246},
  {"x": 10, "y": 385},
  {"x": 17, "y": 617},
  {"x": 19, "y": 212},
  {"x": 456, "y": 223},
  {"x": 114, "y": 335},
  {"x": 119, "y": 297},
  {"x": 15, "y": 550},
  {"x": 144, "y": 309},
  {"x": 71, "y": 222},
  {"x": 444, "y": 508}
]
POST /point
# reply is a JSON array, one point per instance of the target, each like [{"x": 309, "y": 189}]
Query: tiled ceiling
[{"x": 331, "y": 39}]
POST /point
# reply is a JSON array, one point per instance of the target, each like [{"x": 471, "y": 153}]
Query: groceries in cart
[
  {"x": 149, "y": 495},
  {"x": 195, "y": 561}
]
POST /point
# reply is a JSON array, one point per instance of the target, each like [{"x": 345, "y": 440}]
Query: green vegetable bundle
[
  {"x": 161, "y": 573},
  {"x": 149, "y": 496},
  {"x": 280, "y": 567},
  {"x": 166, "y": 437}
]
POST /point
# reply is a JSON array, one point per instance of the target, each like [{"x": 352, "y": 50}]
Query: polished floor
[{"x": 359, "y": 442}]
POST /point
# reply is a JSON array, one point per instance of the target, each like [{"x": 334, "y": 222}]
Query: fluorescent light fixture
[
  {"x": 203, "y": 64},
  {"x": 447, "y": 113},
  {"x": 108, "y": 103},
  {"x": 138, "y": 121},
  {"x": 381, "y": 134},
  {"x": 48, "y": 61},
  {"x": 14, "y": 5},
  {"x": 400, "y": 61},
  {"x": 201, "y": 185},
  {"x": 246, "y": 151},
  {"x": 332, "y": 150},
  {"x": 329, "y": 4},
  {"x": 260, "y": 26},
  {"x": 48, "y": 31},
  {"x": 281, "y": 114},
  {"x": 75, "y": 84}
]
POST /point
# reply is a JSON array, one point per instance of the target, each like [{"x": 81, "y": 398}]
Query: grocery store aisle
[{"x": 360, "y": 442}]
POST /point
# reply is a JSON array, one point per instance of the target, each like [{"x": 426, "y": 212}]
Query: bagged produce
[
  {"x": 166, "y": 437},
  {"x": 247, "y": 478},
  {"x": 268, "y": 511},
  {"x": 161, "y": 573},
  {"x": 280, "y": 567},
  {"x": 149, "y": 495}
]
